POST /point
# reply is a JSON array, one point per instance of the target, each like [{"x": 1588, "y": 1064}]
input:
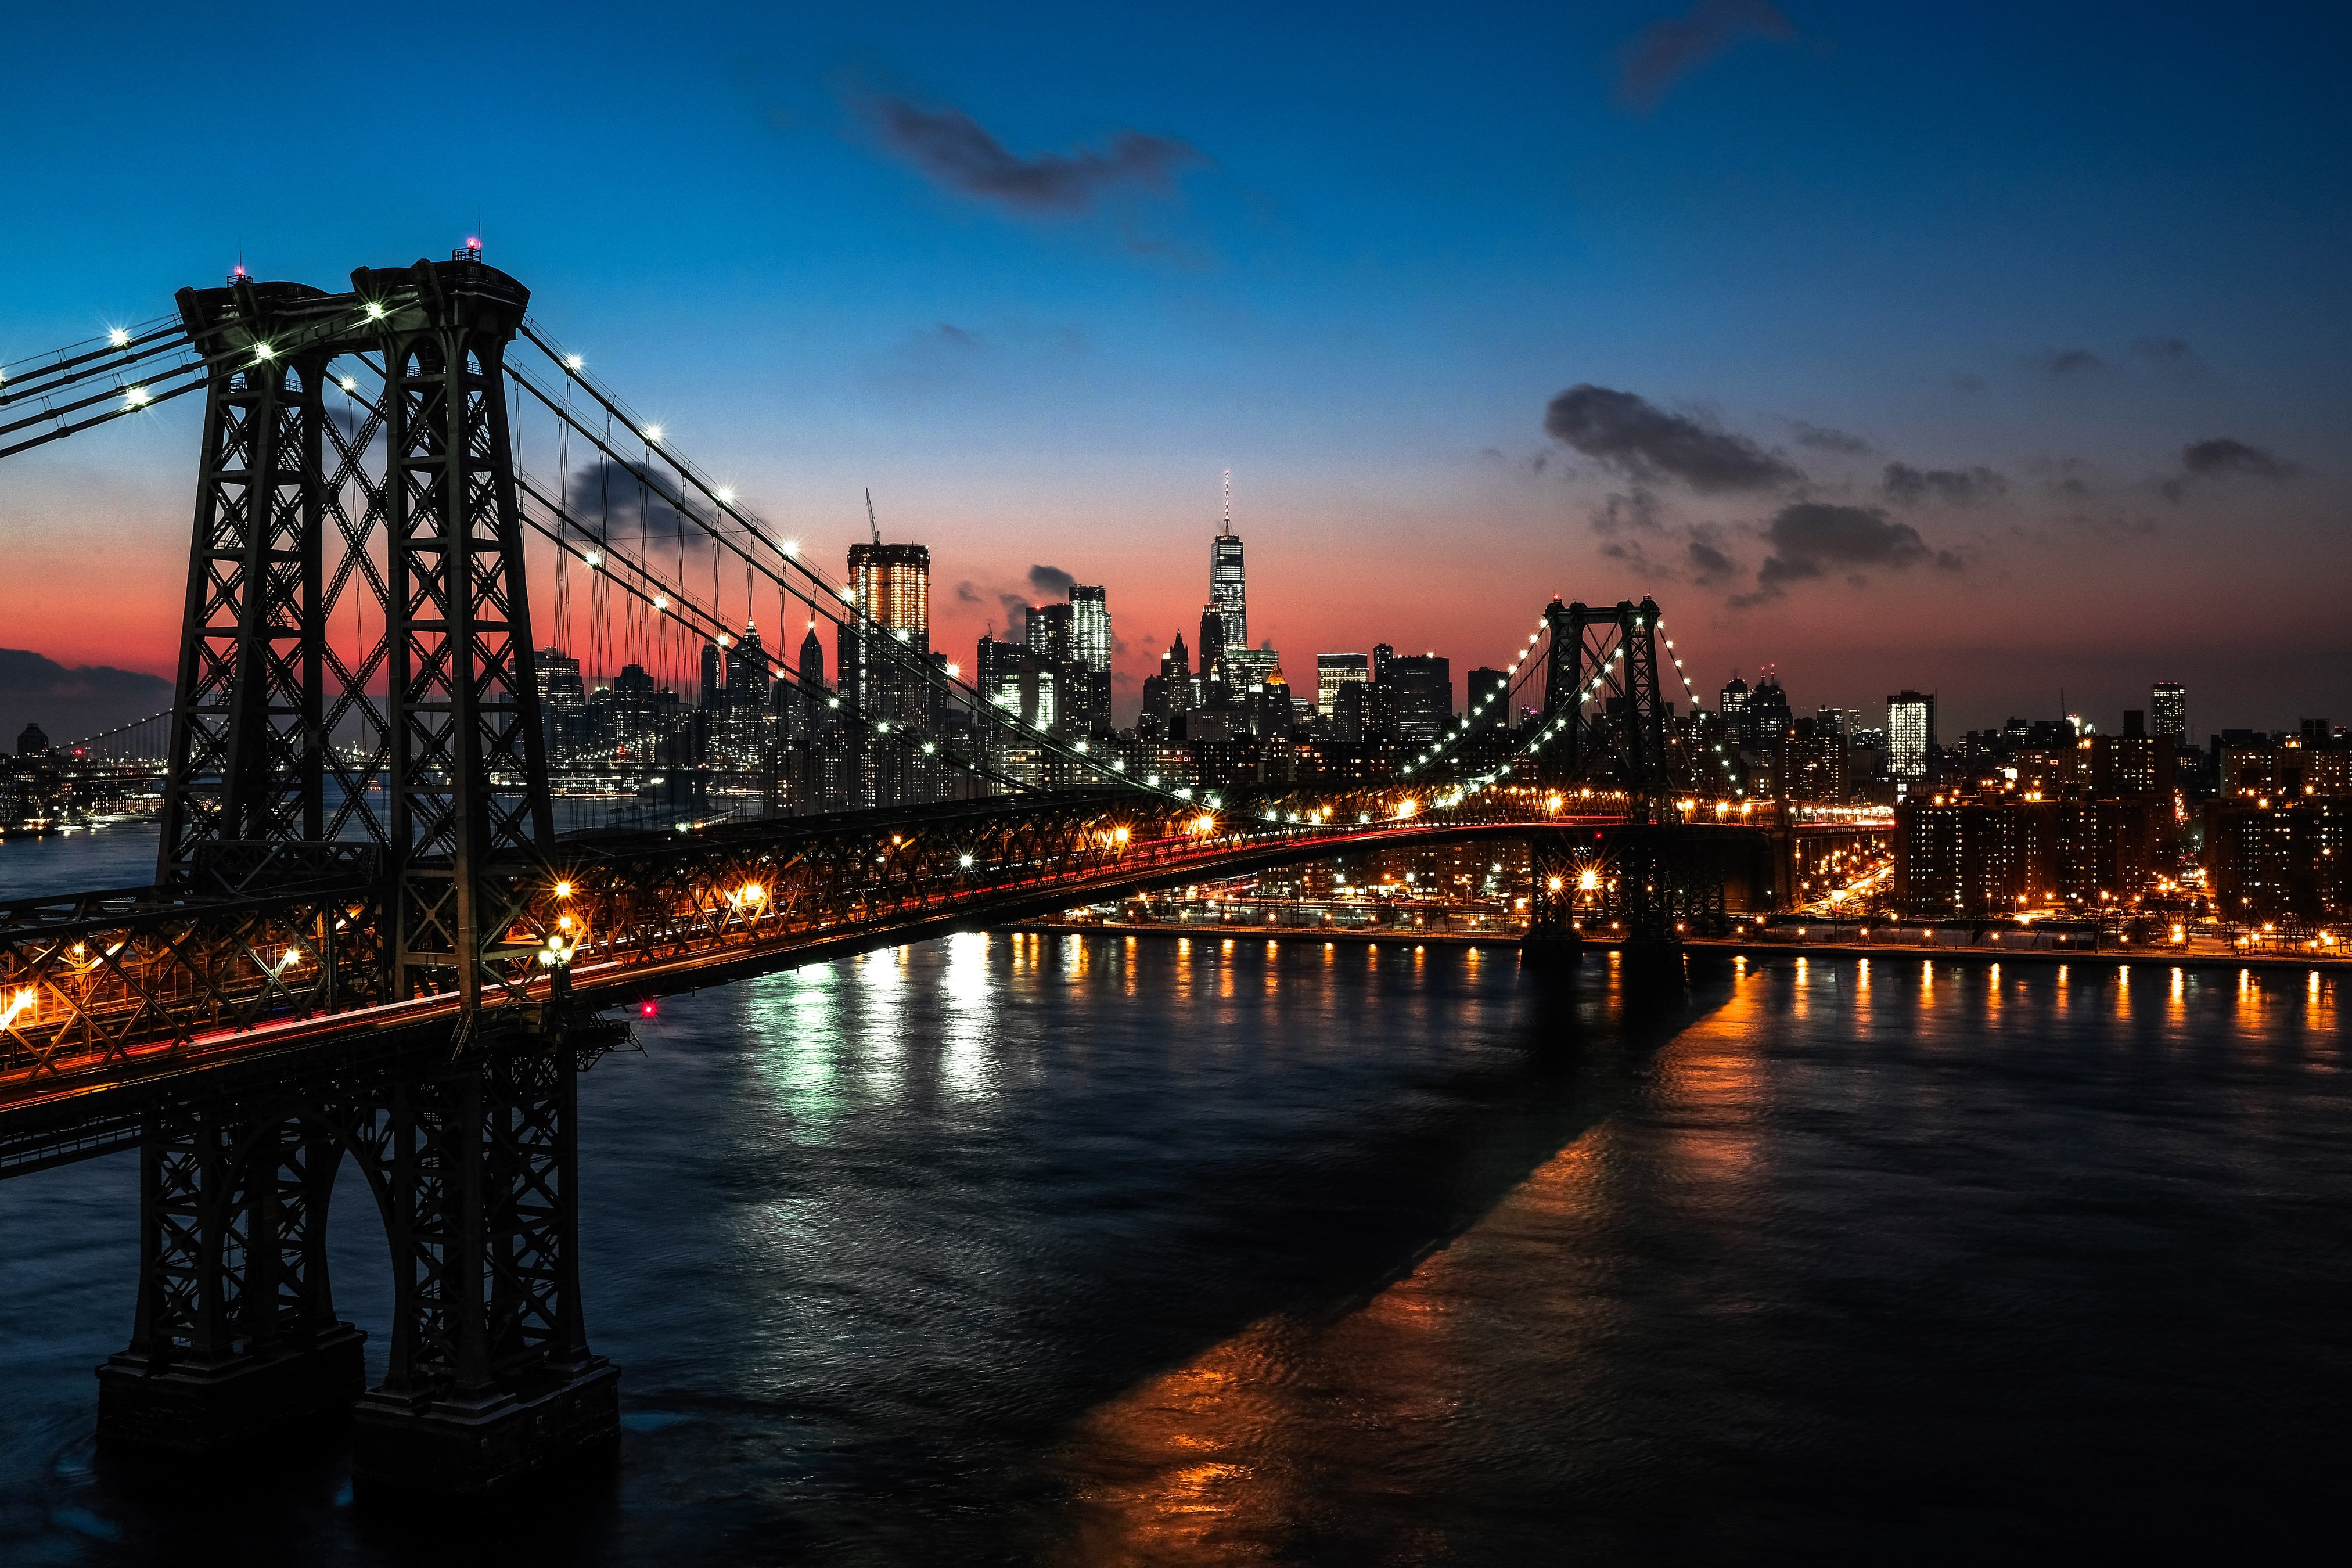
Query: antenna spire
[{"x": 1229, "y": 503}]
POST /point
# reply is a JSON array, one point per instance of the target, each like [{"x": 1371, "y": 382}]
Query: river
[{"x": 1073, "y": 1249}]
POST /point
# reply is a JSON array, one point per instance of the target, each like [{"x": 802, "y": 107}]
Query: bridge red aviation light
[{"x": 649, "y": 1009}]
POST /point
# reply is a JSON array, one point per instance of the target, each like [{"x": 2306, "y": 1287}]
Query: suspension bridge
[{"x": 370, "y": 937}]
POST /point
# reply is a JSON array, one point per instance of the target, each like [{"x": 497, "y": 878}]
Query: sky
[{"x": 1993, "y": 350}]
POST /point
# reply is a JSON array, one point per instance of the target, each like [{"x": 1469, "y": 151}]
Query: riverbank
[{"x": 1754, "y": 945}]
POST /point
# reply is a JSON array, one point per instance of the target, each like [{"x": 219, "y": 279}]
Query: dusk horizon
[{"x": 1762, "y": 313}]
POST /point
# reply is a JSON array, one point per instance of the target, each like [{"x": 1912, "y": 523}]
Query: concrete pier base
[
  {"x": 145, "y": 1402},
  {"x": 458, "y": 1448}
]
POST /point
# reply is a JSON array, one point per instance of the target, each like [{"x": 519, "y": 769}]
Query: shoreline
[{"x": 1747, "y": 947}]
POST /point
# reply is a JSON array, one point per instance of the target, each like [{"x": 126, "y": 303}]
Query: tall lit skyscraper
[
  {"x": 2167, "y": 702},
  {"x": 1910, "y": 735},
  {"x": 1090, "y": 627},
  {"x": 892, "y": 584},
  {"x": 1227, "y": 597},
  {"x": 1333, "y": 670}
]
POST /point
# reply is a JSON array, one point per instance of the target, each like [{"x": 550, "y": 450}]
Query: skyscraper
[
  {"x": 1733, "y": 707},
  {"x": 1228, "y": 599},
  {"x": 1910, "y": 735},
  {"x": 2168, "y": 703},
  {"x": 1176, "y": 677},
  {"x": 892, "y": 587},
  {"x": 1090, "y": 627},
  {"x": 1424, "y": 688},
  {"x": 1333, "y": 670}
]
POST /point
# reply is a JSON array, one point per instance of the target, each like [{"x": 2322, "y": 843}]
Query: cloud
[
  {"x": 610, "y": 499},
  {"x": 1907, "y": 485},
  {"x": 2064, "y": 363},
  {"x": 1051, "y": 581},
  {"x": 1811, "y": 538},
  {"x": 70, "y": 702},
  {"x": 1633, "y": 524},
  {"x": 1662, "y": 53},
  {"x": 954, "y": 337},
  {"x": 2222, "y": 457},
  {"x": 954, "y": 151},
  {"x": 968, "y": 593},
  {"x": 1645, "y": 442},
  {"x": 2170, "y": 351},
  {"x": 1823, "y": 438}
]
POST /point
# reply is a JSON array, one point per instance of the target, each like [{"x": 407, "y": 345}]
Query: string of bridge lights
[
  {"x": 1731, "y": 771},
  {"x": 1445, "y": 744}
]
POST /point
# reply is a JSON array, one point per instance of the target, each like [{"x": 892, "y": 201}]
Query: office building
[
  {"x": 1424, "y": 683},
  {"x": 1910, "y": 735},
  {"x": 1333, "y": 670},
  {"x": 2167, "y": 705}
]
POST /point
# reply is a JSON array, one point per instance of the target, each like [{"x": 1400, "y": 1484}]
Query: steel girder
[
  {"x": 473, "y": 1165},
  {"x": 1609, "y": 653},
  {"x": 262, "y": 691}
]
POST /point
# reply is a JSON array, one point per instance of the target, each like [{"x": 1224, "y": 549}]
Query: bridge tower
[
  {"x": 415, "y": 768},
  {"x": 1602, "y": 679}
]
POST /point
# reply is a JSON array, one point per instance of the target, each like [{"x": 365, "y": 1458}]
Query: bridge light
[
  {"x": 562, "y": 890},
  {"x": 1554, "y": 884},
  {"x": 263, "y": 351},
  {"x": 649, "y": 1008},
  {"x": 726, "y": 496},
  {"x": 653, "y": 434},
  {"x": 849, "y": 596},
  {"x": 374, "y": 313},
  {"x": 1587, "y": 880},
  {"x": 571, "y": 362},
  {"x": 964, "y": 861},
  {"x": 954, "y": 670},
  {"x": 118, "y": 337},
  {"x": 791, "y": 547},
  {"x": 661, "y": 601},
  {"x": 1120, "y": 833},
  {"x": 1407, "y": 806},
  {"x": 135, "y": 397},
  {"x": 350, "y": 383},
  {"x": 929, "y": 746},
  {"x": 753, "y": 893},
  {"x": 1204, "y": 824}
]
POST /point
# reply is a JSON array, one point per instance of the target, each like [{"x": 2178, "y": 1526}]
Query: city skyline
[{"x": 1776, "y": 320}]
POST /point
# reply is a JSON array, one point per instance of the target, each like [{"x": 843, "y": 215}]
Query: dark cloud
[
  {"x": 2170, "y": 351},
  {"x": 955, "y": 337},
  {"x": 1636, "y": 532},
  {"x": 2222, "y": 457},
  {"x": 606, "y": 497},
  {"x": 1812, "y": 539},
  {"x": 1823, "y": 438},
  {"x": 956, "y": 152},
  {"x": 1662, "y": 53},
  {"x": 69, "y": 702},
  {"x": 1907, "y": 485},
  {"x": 1051, "y": 581},
  {"x": 2064, "y": 363},
  {"x": 1643, "y": 441},
  {"x": 1709, "y": 564},
  {"x": 968, "y": 593}
]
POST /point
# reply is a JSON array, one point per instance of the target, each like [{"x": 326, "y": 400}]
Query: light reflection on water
[{"x": 1100, "y": 1250}]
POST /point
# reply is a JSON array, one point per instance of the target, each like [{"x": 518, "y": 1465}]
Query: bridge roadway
[{"x": 122, "y": 1012}]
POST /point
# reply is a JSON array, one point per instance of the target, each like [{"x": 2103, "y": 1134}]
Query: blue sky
[{"x": 1037, "y": 275}]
